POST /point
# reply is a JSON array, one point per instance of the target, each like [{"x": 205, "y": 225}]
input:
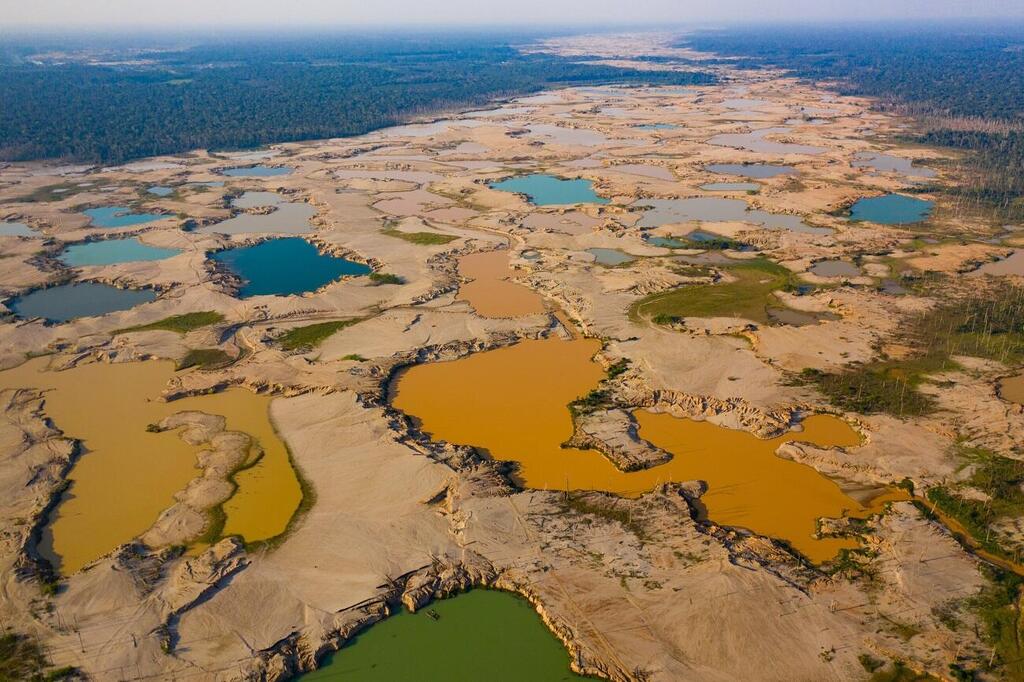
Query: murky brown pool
[
  {"x": 489, "y": 291},
  {"x": 126, "y": 475},
  {"x": 512, "y": 402}
]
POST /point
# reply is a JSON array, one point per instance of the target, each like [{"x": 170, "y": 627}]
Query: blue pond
[
  {"x": 119, "y": 216},
  {"x": 83, "y": 299},
  {"x": 281, "y": 267},
  {"x": 891, "y": 209},
  {"x": 256, "y": 171},
  {"x": 656, "y": 126},
  {"x": 161, "y": 191},
  {"x": 113, "y": 251},
  {"x": 547, "y": 190}
]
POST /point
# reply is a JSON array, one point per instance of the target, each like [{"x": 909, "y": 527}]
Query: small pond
[
  {"x": 283, "y": 267},
  {"x": 657, "y": 126},
  {"x": 1011, "y": 265},
  {"x": 759, "y": 171},
  {"x": 548, "y": 190},
  {"x": 888, "y": 163},
  {"x": 757, "y": 141},
  {"x": 119, "y": 216},
  {"x": 712, "y": 209},
  {"x": 611, "y": 256},
  {"x": 256, "y": 172},
  {"x": 731, "y": 187},
  {"x": 478, "y": 635},
  {"x": 835, "y": 268},
  {"x": 161, "y": 191},
  {"x": 82, "y": 299},
  {"x": 891, "y": 209},
  {"x": 286, "y": 217},
  {"x": 17, "y": 230},
  {"x": 112, "y": 251}
]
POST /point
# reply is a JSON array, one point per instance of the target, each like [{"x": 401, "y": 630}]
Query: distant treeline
[
  {"x": 247, "y": 93},
  {"x": 964, "y": 83}
]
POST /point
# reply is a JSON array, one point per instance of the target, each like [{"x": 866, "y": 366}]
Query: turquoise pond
[
  {"x": 656, "y": 126},
  {"x": 83, "y": 299},
  {"x": 610, "y": 256},
  {"x": 161, "y": 191},
  {"x": 891, "y": 209},
  {"x": 119, "y": 216},
  {"x": 548, "y": 190},
  {"x": 111, "y": 251},
  {"x": 17, "y": 230},
  {"x": 256, "y": 171},
  {"x": 282, "y": 267}
]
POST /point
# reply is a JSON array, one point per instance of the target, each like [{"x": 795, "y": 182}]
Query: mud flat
[
  {"x": 489, "y": 290},
  {"x": 128, "y": 474},
  {"x": 512, "y": 403}
]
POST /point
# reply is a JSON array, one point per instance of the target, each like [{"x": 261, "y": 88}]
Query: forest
[
  {"x": 104, "y": 105},
  {"x": 963, "y": 83}
]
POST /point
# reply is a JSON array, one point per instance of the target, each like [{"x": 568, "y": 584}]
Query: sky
[{"x": 60, "y": 14}]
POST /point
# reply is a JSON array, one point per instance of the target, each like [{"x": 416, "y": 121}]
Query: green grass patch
[
  {"x": 311, "y": 336},
  {"x": 984, "y": 324},
  {"x": 748, "y": 297},
  {"x": 205, "y": 359},
  {"x": 54, "y": 192},
  {"x": 182, "y": 324},
  {"x": 998, "y": 608},
  {"x": 379, "y": 278},
  {"x": 421, "y": 238}
]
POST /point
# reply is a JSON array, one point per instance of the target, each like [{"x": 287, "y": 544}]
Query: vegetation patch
[
  {"x": 182, "y": 324},
  {"x": 22, "y": 658},
  {"x": 748, "y": 297},
  {"x": 421, "y": 238},
  {"x": 987, "y": 324},
  {"x": 206, "y": 359},
  {"x": 379, "y": 278},
  {"x": 311, "y": 336}
]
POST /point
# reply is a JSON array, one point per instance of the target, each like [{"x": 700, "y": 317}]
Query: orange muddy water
[
  {"x": 1012, "y": 389},
  {"x": 512, "y": 403},
  {"x": 490, "y": 293},
  {"x": 126, "y": 475}
]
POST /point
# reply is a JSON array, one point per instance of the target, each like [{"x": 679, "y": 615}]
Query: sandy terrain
[{"x": 388, "y": 515}]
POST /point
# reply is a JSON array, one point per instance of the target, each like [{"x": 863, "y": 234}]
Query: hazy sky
[{"x": 68, "y": 13}]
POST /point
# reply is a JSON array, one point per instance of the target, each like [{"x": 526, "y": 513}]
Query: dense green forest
[
  {"x": 102, "y": 104},
  {"x": 964, "y": 84}
]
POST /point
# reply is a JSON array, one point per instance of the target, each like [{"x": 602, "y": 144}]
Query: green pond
[
  {"x": 548, "y": 190},
  {"x": 111, "y": 251},
  {"x": 479, "y": 635},
  {"x": 282, "y": 267},
  {"x": 891, "y": 209}
]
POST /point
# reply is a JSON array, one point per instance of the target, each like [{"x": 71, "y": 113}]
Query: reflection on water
[
  {"x": 127, "y": 475},
  {"x": 512, "y": 402}
]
